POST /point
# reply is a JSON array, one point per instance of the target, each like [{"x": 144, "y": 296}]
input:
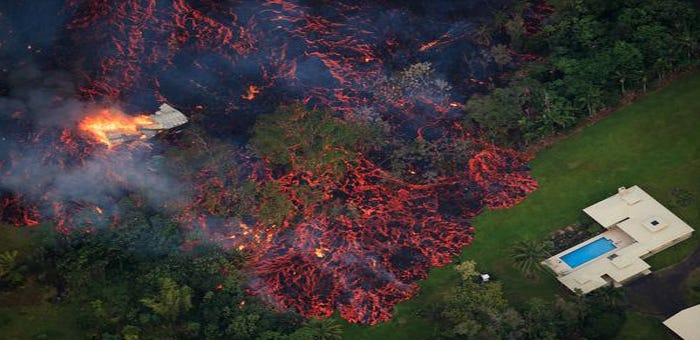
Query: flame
[
  {"x": 251, "y": 91},
  {"x": 319, "y": 252},
  {"x": 99, "y": 210},
  {"x": 108, "y": 122}
]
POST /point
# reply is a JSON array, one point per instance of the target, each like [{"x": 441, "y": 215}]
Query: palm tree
[
  {"x": 324, "y": 329},
  {"x": 528, "y": 254}
]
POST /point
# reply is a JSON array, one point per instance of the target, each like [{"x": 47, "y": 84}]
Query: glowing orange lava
[
  {"x": 109, "y": 123},
  {"x": 251, "y": 92}
]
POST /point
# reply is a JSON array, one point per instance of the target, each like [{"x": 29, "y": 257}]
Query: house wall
[{"x": 668, "y": 245}]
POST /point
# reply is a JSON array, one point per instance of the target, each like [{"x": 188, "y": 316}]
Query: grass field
[
  {"x": 641, "y": 327},
  {"x": 653, "y": 143}
]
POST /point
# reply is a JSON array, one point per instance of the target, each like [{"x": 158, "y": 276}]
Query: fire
[
  {"x": 99, "y": 210},
  {"x": 251, "y": 91},
  {"x": 111, "y": 122},
  {"x": 319, "y": 261}
]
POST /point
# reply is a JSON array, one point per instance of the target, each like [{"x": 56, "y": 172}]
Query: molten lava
[
  {"x": 108, "y": 123},
  {"x": 359, "y": 248},
  {"x": 251, "y": 92}
]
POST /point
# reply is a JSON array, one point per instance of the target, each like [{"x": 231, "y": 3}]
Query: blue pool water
[{"x": 588, "y": 252}]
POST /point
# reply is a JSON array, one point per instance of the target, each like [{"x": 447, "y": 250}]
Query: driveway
[{"x": 662, "y": 293}]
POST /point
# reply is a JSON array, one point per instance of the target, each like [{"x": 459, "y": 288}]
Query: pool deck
[
  {"x": 617, "y": 236},
  {"x": 639, "y": 227}
]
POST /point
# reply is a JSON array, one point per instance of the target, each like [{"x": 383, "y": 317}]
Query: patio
[{"x": 638, "y": 227}]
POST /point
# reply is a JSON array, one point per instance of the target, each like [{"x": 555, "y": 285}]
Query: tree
[
  {"x": 602, "y": 321},
  {"x": 412, "y": 84},
  {"x": 655, "y": 40},
  {"x": 610, "y": 296},
  {"x": 8, "y": 262},
  {"x": 540, "y": 320},
  {"x": 688, "y": 42},
  {"x": 483, "y": 35},
  {"x": 10, "y": 271},
  {"x": 324, "y": 329},
  {"x": 244, "y": 326},
  {"x": 313, "y": 140},
  {"x": 172, "y": 300},
  {"x": 497, "y": 113},
  {"x": 501, "y": 55},
  {"x": 478, "y": 309},
  {"x": 274, "y": 206},
  {"x": 528, "y": 254},
  {"x": 627, "y": 60},
  {"x": 515, "y": 28}
]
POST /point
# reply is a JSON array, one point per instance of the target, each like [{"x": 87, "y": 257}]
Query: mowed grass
[
  {"x": 653, "y": 143},
  {"x": 642, "y": 327}
]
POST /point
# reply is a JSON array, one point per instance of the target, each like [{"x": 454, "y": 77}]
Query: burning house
[
  {"x": 166, "y": 118},
  {"x": 113, "y": 128}
]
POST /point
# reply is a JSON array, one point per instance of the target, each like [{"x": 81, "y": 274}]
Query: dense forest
[
  {"x": 148, "y": 277},
  {"x": 591, "y": 56}
]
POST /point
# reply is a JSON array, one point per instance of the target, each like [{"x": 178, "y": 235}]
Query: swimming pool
[{"x": 588, "y": 252}]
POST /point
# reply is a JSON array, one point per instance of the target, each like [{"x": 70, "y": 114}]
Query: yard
[{"x": 653, "y": 143}]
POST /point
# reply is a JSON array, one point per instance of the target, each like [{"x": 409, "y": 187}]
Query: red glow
[
  {"x": 110, "y": 122},
  {"x": 360, "y": 254},
  {"x": 251, "y": 92},
  {"x": 362, "y": 246}
]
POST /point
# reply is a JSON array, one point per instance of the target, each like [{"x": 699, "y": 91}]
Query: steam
[
  {"x": 47, "y": 99},
  {"x": 32, "y": 163}
]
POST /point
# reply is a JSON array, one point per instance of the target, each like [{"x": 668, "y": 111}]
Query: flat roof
[
  {"x": 638, "y": 225},
  {"x": 686, "y": 323},
  {"x": 639, "y": 215}
]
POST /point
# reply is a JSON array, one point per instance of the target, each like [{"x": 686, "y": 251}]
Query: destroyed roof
[{"x": 166, "y": 118}]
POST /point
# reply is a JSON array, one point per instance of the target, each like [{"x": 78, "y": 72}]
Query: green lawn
[
  {"x": 644, "y": 327},
  {"x": 653, "y": 143}
]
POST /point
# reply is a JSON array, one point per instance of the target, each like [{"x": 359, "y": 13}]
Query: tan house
[
  {"x": 637, "y": 227},
  {"x": 686, "y": 323}
]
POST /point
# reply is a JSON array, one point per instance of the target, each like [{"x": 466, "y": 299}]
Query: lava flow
[
  {"x": 362, "y": 248},
  {"x": 359, "y": 246}
]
